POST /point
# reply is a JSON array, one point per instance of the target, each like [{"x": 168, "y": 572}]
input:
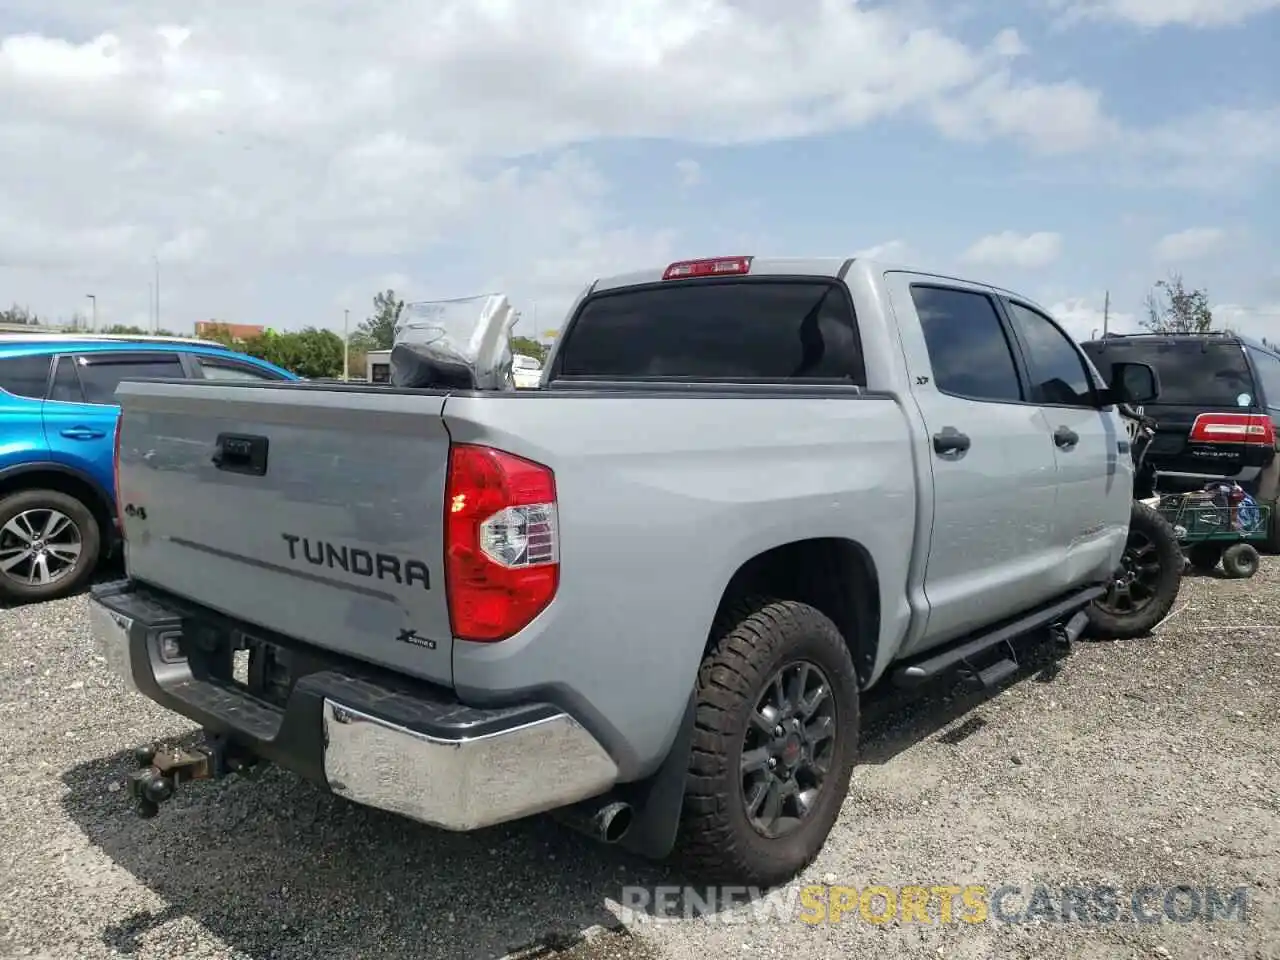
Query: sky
[{"x": 281, "y": 163}]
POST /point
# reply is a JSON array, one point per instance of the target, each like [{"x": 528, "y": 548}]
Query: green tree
[
  {"x": 530, "y": 348},
  {"x": 379, "y": 331},
  {"x": 1172, "y": 308},
  {"x": 19, "y": 315}
]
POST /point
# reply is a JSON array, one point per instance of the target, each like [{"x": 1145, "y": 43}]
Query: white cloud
[
  {"x": 688, "y": 172},
  {"x": 891, "y": 251},
  {"x": 1010, "y": 249},
  {"x": 1258, "y": 321},
  {"x": 275, "y": 157},
  {"x": 1160, "y": 13},
  {"x": 1194, "y": 243},
  {"x": 1083, "y": 318}
]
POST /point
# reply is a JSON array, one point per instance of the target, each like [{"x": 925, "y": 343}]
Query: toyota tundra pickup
[{"x": 646, "y": 596}]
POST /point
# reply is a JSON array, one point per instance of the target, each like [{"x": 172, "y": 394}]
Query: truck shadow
[{"x": 276, "y": 868}]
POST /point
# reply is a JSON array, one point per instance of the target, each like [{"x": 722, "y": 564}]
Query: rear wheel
[
  {"x": 1145, "y": 587},
  {"x": 49, "y": 545},
  {"x": 1240, "y": 561},
  {"x": 1204, "y": 556},
  {"x": 775, "y": 741}
]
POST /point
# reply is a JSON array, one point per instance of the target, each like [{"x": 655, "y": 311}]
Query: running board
[{"x": 920, "y": 671}]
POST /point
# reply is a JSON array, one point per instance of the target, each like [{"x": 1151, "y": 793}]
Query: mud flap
[{"x": 659, "y": 802}]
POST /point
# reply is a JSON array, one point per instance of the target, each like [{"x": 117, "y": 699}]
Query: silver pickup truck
[{"x": 648, "y": 594}]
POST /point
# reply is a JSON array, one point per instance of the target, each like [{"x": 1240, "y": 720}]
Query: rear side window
[
  {"x": 1058, "y": 374},
  {"x": 968, "y": 348},
  {"x": 1268, "y": 368},
  {"x": 100, "y": 375},
  {"x": 25, "y": 376},
  {"x": 741, "y": 330},
  {"x": 1193, "y": 373}
]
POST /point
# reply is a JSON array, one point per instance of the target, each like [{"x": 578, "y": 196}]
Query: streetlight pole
[
  {"x": 157, "y": 263},
  {"x": 94, "y": 323},
  {"x": 346, "y": 345}
]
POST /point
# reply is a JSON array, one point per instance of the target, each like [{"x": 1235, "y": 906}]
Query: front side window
[
  {"x": 214, "y": 369},
  {"x": 1058, "y": 374}
]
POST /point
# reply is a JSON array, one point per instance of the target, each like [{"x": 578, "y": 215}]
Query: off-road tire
[
  {"x": 90, "y": 545},
  {"x": 1124, "y": 626},
  {"x": 1205, "y": 556},
  {"x": 752, "y": 641},
  {"x": 1240, "y": 561}
]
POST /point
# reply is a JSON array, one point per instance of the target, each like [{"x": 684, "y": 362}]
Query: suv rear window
[
  {"x": 25, "y": 376},
  {"x": 1192, "y": 373},
  {"x": 721, "y": 330}
]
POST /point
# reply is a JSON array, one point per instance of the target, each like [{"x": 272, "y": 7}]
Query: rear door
[
  {"x": 992, "y": 551},
  {"x": 81, "y": 410},
  {"x": 1095, "y": 474}
]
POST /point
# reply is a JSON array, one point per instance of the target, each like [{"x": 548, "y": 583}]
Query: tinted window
[
  {"x": 968, "y": 349},
  {"x": 1192, "y": 372},
  {"x": 793, "y": 330},
  {"x": 1058, "y": 373},
  {"x": 66, "y": 382},
  {"x": 1268, "y": 368},
  {"x": 25, "y": 376},
  {"x": 101, "y": 375},
  {"x": 226, "y": 370}
]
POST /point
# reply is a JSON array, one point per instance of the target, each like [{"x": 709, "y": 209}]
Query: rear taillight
[
  {"x": 1248, "y": 428},
  {"x": 502, "y": 554},
  {"x": 115, "y": 459}
]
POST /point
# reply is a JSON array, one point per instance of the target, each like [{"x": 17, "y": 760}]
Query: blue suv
[{"x": 57, "y": 446}]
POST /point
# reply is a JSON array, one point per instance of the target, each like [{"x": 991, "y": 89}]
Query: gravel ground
[{"x": 1151, "y": 762}]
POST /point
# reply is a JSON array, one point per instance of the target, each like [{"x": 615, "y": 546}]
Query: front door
[
  {"x": 1095, "y": 469},
  {"x": 80, "y": 414},
  {"x": 991, "y": 552}
]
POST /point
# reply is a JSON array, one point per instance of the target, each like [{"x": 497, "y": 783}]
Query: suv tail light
[
  {"x": 115, "y": 460},
  {"x": 502, "y": 552},
  {"x": 1248, "y": 428}
]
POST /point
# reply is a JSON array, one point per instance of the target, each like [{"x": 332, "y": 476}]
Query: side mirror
[{"x": 1133, "y": 383}]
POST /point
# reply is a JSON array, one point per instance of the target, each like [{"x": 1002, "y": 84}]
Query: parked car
[
  {"x": 58, "y": 411},
  {"x": 526, "y": 371},
  {"x": 1216, "y": 413},
  {"x": 646, "y": 596}
]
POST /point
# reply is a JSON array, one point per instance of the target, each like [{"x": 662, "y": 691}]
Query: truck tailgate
[{"x": 323, "y": 520}]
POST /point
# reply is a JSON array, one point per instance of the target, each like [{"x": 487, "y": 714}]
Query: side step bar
[{"x": 932, "y": 666}]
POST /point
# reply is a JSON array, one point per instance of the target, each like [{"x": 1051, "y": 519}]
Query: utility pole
[
  {"x": 346, "y": 344},
  {"x": 94, "y": 323},
  {"x": 1106, "y": 311}
]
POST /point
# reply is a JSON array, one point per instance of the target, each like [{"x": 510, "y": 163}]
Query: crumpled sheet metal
[{"x": 460, "y": 344}]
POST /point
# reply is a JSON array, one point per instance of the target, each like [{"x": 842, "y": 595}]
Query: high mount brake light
[
  {"x": 502, "y": 552},
  {"x": 1249, "y": 428},
  {"x": 716, "y": 267}
]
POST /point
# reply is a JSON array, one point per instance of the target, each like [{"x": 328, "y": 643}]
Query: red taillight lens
[
  {"x": 718, "y": 267},
  {"x": 502, "y": 552},
  {"x": 115, "y": 458},
  {"x": 1248, "y": 428}
]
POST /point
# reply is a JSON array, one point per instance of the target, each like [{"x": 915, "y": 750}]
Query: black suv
[{"x": 1219, "y": 400}]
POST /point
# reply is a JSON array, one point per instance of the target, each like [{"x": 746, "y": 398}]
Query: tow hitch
[{"x": 162, "y": 769}]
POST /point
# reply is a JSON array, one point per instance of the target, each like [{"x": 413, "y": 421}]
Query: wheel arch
[{"x": 47, "y": 475}]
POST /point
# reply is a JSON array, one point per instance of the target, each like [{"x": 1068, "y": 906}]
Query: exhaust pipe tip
[{"x": 613, "y": 821}]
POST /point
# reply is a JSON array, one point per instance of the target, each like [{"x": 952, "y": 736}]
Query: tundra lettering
[{"x": 384, "y": 566}]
